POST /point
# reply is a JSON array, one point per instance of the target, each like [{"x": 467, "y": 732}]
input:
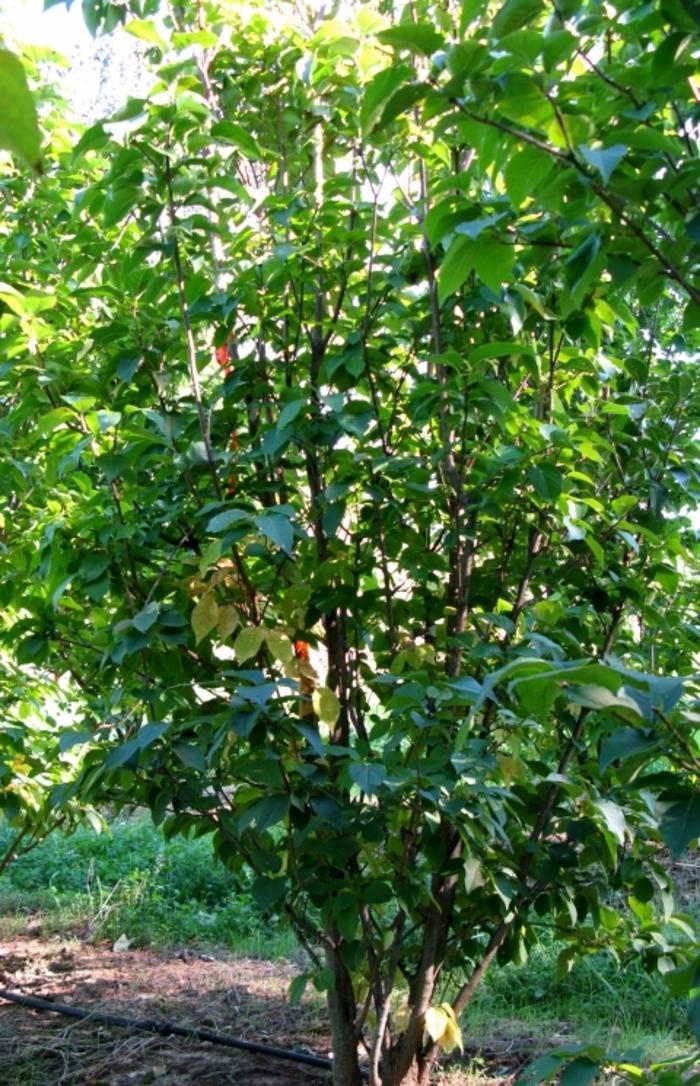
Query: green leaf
[
  {"x": 347, "y": 921},
  {"x": 604, "y": 159},
  {"x": 277, "y": 528},
  {"x": 224, "y": 520},
  {"x": 236, "y": 134},
  {"x": 514, "y": 14},
  {"x": 93, "y": 566},
  {"x": 146, "y": 617},
  {"x": 455, "y": 268},
  {"x": 467, "y": 688},
  {"x": 469, "y": 10},
  {"x": 377, "y": 92},
  {"x": 368, "y": 777},
  {"x": 614, "y": 818},
  {"x": 681, "y": 823},
  {"x": 122, "y": 754},
  {"x": 19, "y": 127},
  {"x": 493, "y": 262},
  {"x": 128, "y": 364},
  {"x": 377, "y": 893},
  {"x": 473, "y": 227},
  {"x": 420, "y": 38},
  {"x": 267, "y": 892},
  {"x": 581, "y": 265},
  {"x": 580, "y": 1072},
  {"x": 298, "y": 987},
  {"x": 266, "y": 812},
  {"x": 525, "y": 172},
  {"x": 205, "y": 615},
  {"x": 206, "y": 39},
  {"x": 546, "y": 480},
  {"x": 683, "y": 979},
  {"x": 145, "y": 30},
  {"x": 191, "y": 756},
  {"x": 498, "y": 350},
  {"x": 664, "y": 59},
  {"x": 248, "y": 643},
  {"x": 53, "y": 419},
  {"x": 540, "y": 1070},
  {"x": 400, "y": 102},
  {"x": 623, "y": 744},
  {"x": 145, "y": 737},
  {"x": 592, "y": 696},
  {"x": 289, "y": 412},
  {"x": 70, "y": 739},
  {"x": 59, "y": 591}
]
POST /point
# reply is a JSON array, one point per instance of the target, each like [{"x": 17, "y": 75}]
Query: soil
[{"x": 238, "y": 997}]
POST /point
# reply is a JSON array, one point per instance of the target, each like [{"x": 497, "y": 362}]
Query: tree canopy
[{"x": 350, "y": 427}]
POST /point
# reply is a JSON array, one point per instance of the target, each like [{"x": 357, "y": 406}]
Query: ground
[{"x": 240, "y": 997}]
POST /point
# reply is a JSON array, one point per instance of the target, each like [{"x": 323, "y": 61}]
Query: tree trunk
[
  {"x": 342, "y": 1011},
  {"x": 416, "y": 1074}
]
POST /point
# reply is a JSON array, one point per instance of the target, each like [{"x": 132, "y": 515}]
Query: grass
[
  {"x": 597, "y": 1002},
  {"x": 170, "y": 893},
  {"x": 131, "y": 881}
]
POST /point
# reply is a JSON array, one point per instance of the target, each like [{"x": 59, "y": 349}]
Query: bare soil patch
[{"x": 238, "y": 997}]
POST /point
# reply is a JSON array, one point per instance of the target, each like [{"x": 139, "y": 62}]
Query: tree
[{"x": 351, "y": 401}]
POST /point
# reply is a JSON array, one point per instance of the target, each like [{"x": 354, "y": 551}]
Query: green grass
[
  {"x": 597, "y": 1002},
  {"x": 131, "y": 881},
  {"x": 171, "y": 893}
]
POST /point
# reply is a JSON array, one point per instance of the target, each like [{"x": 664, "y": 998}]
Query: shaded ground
[
  {"x": 239, "y": 997},
  {"x": 242, "y": 998}
]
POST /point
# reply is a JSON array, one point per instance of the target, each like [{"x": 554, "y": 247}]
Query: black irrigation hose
[{"x": 166, "y": 1029}]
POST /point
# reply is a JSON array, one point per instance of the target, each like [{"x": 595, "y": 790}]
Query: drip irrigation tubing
[{"x": 165, "y": 1029}]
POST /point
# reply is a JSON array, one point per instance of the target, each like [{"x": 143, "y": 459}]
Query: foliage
[
  {"x": 32, "y": 762},
  {"x": 581, "y": 1064},
  {"x": 350, "y": 394},
  {"x": 19, "y": 129}
]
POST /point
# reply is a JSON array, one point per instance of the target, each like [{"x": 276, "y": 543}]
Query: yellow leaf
[
  {"x": 451, "y": 1038},
  {"x": 227, "y": 621},
  {"x": 248, "y": 643},
  {"x": 449, "y": 1011},
  {"x": 205, "y": 616},
  {"x": 280, "y": 646},
  {"x": 441, "y": 1026},
  {"x": 436, "y": 1022},
  {"x": 326, "y": 705}
]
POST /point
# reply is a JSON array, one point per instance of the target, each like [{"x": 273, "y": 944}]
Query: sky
[
  {"x": 26, "y": 21},
  {"x": 102, "y": 72}
]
